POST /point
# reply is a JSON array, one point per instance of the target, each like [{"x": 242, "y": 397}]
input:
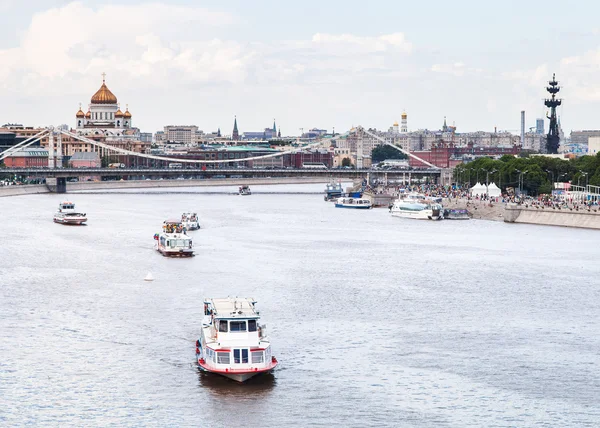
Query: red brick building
[
  {"x": 30, "y": 157},
  {"x": 446, "y": 155}
]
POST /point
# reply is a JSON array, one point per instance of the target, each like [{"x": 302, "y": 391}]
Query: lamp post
[
  {"x": 552, "y": 182},
  {"x": 521, "y": 176},
  {"x": 487, "y": 182}
]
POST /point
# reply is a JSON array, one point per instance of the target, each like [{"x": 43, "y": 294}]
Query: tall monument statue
[{"x": 553, "y": 137}]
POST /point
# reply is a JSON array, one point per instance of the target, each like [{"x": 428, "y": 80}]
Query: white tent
[
  {"x": 494, "y": 191},
  {"x": 478, "y": 189}
]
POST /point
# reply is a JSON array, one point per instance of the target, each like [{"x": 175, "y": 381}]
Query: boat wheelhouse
[
  {"x": 333, "y": 191},
  {"x": 173, "y": 241},
  {"x": 359, "y": 203},
  {"x": 408, "y": 208},
  {"x": 190, "y": 221},
  {"x": 244, "y": 190},
  {"x": 232, "y": 343},
  {"x": 66, "y": 214}
]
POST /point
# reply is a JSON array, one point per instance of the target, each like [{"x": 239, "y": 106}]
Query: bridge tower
[
  {"x": 553, "y": 137},
  {"x": 359, "y": 147},
  {"x": 59, "y": 156},
  {"x": 51, "y": 163}
]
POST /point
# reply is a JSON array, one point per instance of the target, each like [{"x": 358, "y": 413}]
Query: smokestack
[{"x": 522, "y": 128}]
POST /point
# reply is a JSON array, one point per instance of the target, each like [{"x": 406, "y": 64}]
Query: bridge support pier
[{"x": 57, "y": 185}]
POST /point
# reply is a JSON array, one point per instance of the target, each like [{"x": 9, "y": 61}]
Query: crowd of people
[{"x": 458, "y": 193}]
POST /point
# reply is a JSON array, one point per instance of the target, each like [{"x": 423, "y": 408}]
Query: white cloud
[
  {"x": 388, "y": 42},
  {"x": 457, "y": 69},
  {"x": 81, "y": 42}
]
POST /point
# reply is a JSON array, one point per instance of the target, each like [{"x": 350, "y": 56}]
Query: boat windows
[
  {"x": 223, "y": 326},
  {"x": 240, "y": 356},
  {"x": 223, "y": 358},
  {"x": 258, "y": 357},
  {"x": 237, "y": 326},
  {"x": 251, "y": 325}
]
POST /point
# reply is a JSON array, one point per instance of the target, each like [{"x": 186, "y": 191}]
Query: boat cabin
[
  {"x": 233, "y": 323},
  {"x": 66, "y": 206}
]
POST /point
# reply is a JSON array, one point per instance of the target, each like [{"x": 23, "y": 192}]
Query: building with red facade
[
  {"x": 448, "y": 155},
  {"x": 30, "y": 157}
]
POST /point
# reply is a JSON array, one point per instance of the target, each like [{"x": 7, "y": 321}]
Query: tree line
[{"x": 534, "y": 174}]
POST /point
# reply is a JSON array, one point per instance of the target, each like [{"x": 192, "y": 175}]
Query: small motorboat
[
  {"x": 244, "y": 191},
  {"x": 359, "y": 203},
  {"x": 66, "y": 214}
]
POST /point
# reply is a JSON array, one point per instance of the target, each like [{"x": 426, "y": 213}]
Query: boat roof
[
  {"x": 233, "y": 307},
  {"x": 172, "y": 221}
]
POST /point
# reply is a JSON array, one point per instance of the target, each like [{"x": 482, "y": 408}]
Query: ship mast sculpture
[{"x": 553, "y": 138}]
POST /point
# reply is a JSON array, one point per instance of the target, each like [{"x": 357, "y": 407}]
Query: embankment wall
[
  {"x": 552, "y": 217},
  {"x": 144, "y": 184}
]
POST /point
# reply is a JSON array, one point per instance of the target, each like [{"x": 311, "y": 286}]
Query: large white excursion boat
[
  {"x": 244, "y": 190},
  {"x": 360, "y": 203},
  {"x": 66, "y": 214},
  {"x": 173, "y": 241},
  {"x": 421, "y": 210},
  {"x": 232, "y": 343},
  {"x": 190, "y": 221}
]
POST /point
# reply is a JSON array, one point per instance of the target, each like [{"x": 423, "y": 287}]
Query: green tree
[
  {"x": 384, "y": 151},
  {"x": 346, "y": 162}
]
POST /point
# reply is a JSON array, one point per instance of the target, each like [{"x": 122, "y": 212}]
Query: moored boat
[
  {"x": 244, "y": 190},
  {"x": 232, "y": 343},
  {"x": 190, "y": 221},
  {"x": 409, "y": 208},
  {"x": 66, "y": 214},
  {"x": 173, "y": 241},
  {"x": 359, "y": 203},
  {"x": 333, "y": 191},
  {"x": 456, "y": 214}
]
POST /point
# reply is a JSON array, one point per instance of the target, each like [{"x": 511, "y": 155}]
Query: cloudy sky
[{"x": 326, "y": 63}]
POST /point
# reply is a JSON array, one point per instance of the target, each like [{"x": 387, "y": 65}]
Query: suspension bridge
[{"x": 211, "y": 168}]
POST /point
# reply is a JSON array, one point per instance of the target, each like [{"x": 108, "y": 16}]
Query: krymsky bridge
[{"x": 56, "y": 171}]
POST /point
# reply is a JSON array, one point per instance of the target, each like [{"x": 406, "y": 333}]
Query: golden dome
[
  {"x": 396, "y": 123},
  {"x": 404, "y": 116},
  {"x": 127, "y": 114},
  {"x": 103, "y": 95},
  {"x": 80, "y": 113},
  {"x": 119, "y": 113},
  {"x": 88, "y": 115}
]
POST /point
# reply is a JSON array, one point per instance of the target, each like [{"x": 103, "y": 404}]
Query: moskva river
[{"x": 376, "y": 321}]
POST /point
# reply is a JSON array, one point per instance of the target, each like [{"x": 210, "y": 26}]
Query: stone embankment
[{"x": 549, "y": 216}]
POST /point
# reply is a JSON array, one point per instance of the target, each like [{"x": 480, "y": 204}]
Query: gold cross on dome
[{"x": 103, "y": 76}]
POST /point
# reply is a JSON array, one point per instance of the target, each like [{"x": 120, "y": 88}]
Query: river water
[{"x": 376, "y": 321}]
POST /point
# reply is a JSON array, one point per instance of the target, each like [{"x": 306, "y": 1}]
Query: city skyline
[{"x": 203, "y": 63}]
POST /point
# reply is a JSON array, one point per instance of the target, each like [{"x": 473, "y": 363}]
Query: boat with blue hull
[{"x": 356, "y": 203}]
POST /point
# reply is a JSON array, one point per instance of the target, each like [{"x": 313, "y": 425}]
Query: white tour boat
[
  {"x": 173, "y": 241},
  {"x": 232, "y": 343},
  {"x": 67, "y": 215},
  {"x": 190, "y": 221},
  {"x": 409, "y": 208},
  {"x": 244, "y": 190},
  {"x": 359, "y": 203}
]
